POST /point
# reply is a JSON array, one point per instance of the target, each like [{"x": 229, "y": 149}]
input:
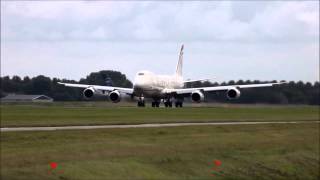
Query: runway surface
[{"x": 9, "y": 129}]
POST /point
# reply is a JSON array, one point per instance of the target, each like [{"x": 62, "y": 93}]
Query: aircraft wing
[
  {"x": 97, "y": 87},
  {"x": 218, "y": 88}
]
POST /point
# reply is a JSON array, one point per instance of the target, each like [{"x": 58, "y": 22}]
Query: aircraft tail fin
[{"x": 180, "y": 62}]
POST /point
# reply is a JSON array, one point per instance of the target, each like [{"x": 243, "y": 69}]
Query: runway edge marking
[{"x": 11, "y": 129}]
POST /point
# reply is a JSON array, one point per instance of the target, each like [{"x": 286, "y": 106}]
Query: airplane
[{"x": 166, "y": 88}]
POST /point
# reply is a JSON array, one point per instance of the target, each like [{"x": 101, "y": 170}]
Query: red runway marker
[
  {"x": 217, "y": 162},
  {"x": 53, "y": 165}
]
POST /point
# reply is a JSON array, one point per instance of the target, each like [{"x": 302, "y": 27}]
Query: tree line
[{"x": 290, "y": 93}]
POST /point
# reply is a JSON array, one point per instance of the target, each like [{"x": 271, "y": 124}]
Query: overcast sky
[{"x": 276, "y": 40}]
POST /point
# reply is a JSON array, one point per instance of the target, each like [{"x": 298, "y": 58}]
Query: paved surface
[{"x": 145, "y": 125}]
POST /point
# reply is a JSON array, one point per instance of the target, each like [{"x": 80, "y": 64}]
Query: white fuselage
[{"x": 150, "y": 85}]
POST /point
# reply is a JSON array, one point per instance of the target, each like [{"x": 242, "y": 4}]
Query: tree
[
  {"x": 99, "y": 78},
  {"x": 41, "y": 85},
  {"x": 292, "y": 92}
]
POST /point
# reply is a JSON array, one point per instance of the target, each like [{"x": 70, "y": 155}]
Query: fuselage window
[{"x": 141, "y": 74}]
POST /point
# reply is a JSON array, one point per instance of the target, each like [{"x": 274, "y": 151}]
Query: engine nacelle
[
  {"x": 115, "y": 96},
  {"x": 88, "y": 93},
  {"x": 197, "y": 96},
  {"x": 233, "y": 93}
]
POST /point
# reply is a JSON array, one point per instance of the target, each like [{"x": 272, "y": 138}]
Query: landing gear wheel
[
  {"x": 168, "y": 104},
  {"x": 155, "y": 104},
  {"x": 141, "y": 104},
  {"x": 178, "y": 104}
]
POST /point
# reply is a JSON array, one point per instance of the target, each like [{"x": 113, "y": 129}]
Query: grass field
[
  {"x": 245, "y": 152},
  {"x": 59, "y": 114},
  {"x": 279, "y": 151}
]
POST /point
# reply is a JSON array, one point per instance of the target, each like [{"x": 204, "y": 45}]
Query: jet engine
[
  {"x": 115, "y": 96},
  {"x": 89, "y": 92},
  {"x": 197, "y": 96},
  {"x": 233, "y": 93}
]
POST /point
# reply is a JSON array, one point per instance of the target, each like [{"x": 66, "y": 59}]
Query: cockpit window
[{"x": 140, "y": 74}]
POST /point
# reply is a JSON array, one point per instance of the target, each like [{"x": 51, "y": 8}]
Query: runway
[{"x": 10, "y": 129}]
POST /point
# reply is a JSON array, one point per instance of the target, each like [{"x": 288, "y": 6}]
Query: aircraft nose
[{"x": 138, "y": 82}]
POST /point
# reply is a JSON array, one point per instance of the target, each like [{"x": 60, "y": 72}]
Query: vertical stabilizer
[{"x": 180, "y": 62}]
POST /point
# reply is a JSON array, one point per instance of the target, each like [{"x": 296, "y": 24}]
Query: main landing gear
[
  {"x": 178, "y": 104},
  {"x": 168, "y": 103},
  {"x": 155, "y": 103}
]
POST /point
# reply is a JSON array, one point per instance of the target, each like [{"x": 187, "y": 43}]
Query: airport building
[{"x": 26, "y": 98}]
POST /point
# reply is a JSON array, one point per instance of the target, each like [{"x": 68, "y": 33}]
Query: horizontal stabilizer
[{"x": 196, "y": 80}]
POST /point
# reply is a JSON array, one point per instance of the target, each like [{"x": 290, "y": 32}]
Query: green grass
[
  {"x": 246, "y": 152},
  {"x": 59, "y": 114}
]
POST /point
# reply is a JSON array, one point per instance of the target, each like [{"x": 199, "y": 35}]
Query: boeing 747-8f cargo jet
[{"x": 169, "y": 88}]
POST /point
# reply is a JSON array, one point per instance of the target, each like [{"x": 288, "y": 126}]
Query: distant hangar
[{"x": 26, "y": 98}]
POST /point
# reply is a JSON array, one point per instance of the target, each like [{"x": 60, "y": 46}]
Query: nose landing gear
[{"x": 141, "y": 102}]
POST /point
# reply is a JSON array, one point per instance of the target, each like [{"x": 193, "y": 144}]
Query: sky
[{"x": 227, "y": 40}]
